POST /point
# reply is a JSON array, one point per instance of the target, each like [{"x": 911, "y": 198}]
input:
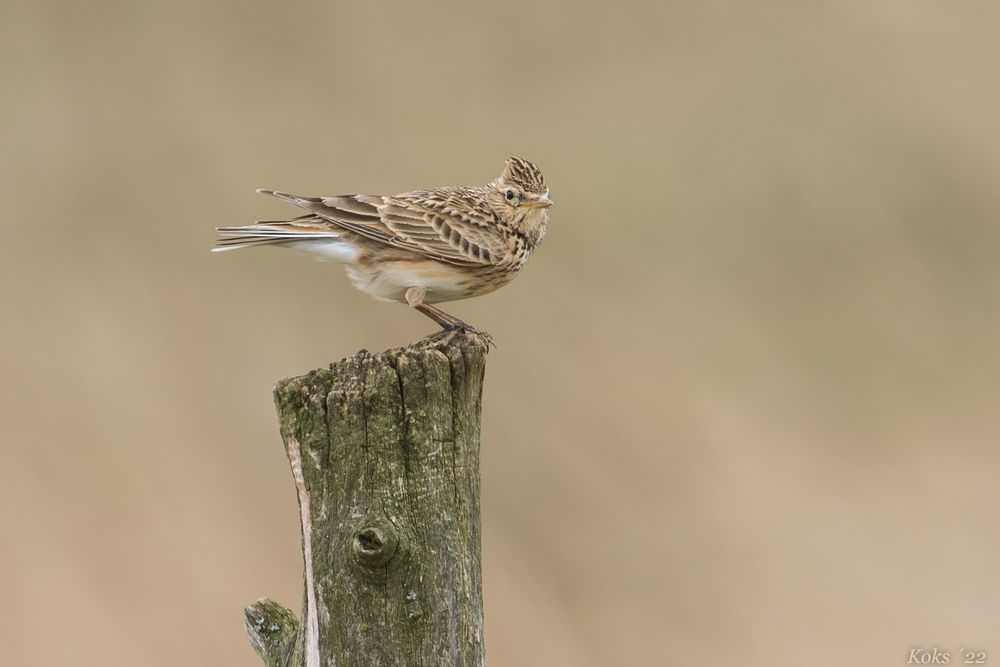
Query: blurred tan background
[{"x": 745, "y": 406}]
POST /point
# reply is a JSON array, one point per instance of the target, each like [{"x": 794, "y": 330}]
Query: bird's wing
[{"x": 445, "y": 225}]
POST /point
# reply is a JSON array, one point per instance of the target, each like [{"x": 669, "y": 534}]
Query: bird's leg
[
  {"x": 444, "y": 319},
  {"x": 449, "y": 323}
]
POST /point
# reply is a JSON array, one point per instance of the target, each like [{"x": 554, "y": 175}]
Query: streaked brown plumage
[{"x": 421, "y": 247}]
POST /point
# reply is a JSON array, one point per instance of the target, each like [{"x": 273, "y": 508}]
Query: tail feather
[
  {"x": 310, "y": 233},
  {"x": 240, "y": 243},
  {"x": 323, "y": 242},
  {"x": 273, "y": 232}
]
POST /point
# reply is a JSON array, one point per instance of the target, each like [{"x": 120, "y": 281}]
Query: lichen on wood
[{"x": 384, "y": 451}]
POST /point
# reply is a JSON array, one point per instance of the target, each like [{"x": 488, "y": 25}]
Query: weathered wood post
[{"x": 384, "y": 451}]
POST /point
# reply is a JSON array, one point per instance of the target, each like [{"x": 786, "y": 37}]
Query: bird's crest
[{"x": 524, "y": 173}]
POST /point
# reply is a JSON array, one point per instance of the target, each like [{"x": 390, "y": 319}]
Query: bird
[{"x": 420, "y": 248}]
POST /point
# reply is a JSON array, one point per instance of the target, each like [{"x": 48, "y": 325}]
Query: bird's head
[{"x": 519, "y": 194}]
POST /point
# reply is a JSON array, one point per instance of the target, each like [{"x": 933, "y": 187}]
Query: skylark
[{"x": 421, "y": 247}]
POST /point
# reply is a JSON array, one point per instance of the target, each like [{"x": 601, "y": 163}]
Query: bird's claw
[{"x": 445, "y": 336}]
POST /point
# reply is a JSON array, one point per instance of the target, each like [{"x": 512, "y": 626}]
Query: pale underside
[{"x": 390, "y": 280}]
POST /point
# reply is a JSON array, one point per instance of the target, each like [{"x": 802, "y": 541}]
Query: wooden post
[{"x": 384, "y": 451}]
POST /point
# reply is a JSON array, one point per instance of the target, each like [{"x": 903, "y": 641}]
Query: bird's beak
[{"x": 543, "y": 201}]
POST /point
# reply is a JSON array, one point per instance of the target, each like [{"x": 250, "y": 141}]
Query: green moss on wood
[{"x": 272, "y": 630}]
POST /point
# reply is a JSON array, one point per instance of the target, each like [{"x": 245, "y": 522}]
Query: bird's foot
[{"x": 447, "y": 334}]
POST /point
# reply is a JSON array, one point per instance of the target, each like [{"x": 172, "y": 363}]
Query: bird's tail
[
  {"x": 305, "y": 233},
  {"x": 268, "y": 232},
  {"x": 310, "y": 233}
]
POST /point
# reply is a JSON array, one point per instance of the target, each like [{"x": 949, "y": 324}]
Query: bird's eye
[{"x": 510, "y": 194}]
